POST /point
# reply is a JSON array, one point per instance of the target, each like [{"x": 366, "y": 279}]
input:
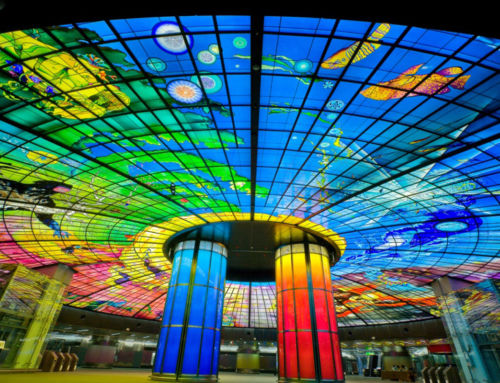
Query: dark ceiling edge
[
  {"x": 87, "y": 318},
  {"x": 425, "y": 328},
  {"x": 474, "y": 19}
]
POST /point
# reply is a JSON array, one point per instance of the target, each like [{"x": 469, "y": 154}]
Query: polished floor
[{"x": 122, "y": 375}]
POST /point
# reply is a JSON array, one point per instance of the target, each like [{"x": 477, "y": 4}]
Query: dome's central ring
[{"x": 251, "y": 245}]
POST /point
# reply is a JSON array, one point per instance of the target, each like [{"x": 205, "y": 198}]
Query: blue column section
[{"x": 188, "y": 346}]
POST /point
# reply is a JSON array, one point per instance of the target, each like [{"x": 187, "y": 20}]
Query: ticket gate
[
  {"x": 451, "y": 375},
  {"x": 59, "y": 362},
  {"x": 432, "y": 375},
  {"x": 73, "y": 362},
  {"x": 439, "y": 374},
  {"x": 425, "y": 375},
  {"x": 48, "y": 362}
]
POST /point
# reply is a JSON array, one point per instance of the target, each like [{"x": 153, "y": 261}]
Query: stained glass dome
[{"x": 117, "y": 134}]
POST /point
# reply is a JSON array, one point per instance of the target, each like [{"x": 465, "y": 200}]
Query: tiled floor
[
  {"x": 123, "y": 375},
  {"x": 228, "y": 377}
]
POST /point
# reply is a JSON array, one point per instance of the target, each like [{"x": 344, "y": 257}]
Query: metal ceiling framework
[{"x": 393, "y": 250}]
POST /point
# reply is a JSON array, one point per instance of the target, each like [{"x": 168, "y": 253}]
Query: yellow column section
[
  {"x": 46, "y": 313},
  {"x": 55, "y": 281}
]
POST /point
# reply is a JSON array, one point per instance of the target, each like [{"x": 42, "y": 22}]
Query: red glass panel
[
  {"x": 279, "y": 302},
  {"x": 321, "y": 310},
  {"x": 331, "y": 309},
  {"x": 289, "y": 310},
  {"x": 325, "y": 355},
  {"x": 337, "y": 357},
  {"x": 302, "y": 313},
  {"x": 291, "y": 355},
  {"x": 306, "y": 355},
  {"x": 281, "y": 354}
]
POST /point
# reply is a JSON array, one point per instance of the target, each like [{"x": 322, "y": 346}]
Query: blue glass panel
[
  {"x": 179, "y": 305},
  {"x": 207, "y": 347},
  {"x": 185, "y": 266},
  {"x": 198, "y": 301},
  {"x": 192, "y": 351},
  {"x": 172, "y": 349},
  {"x": 175, "y": 268},
  {"x": 202, "y": 266},
  {"x": 219, "y": 310},
  {"x": 215, "y": 360},
  {"x": 197, "y": 23},
  {"x": 215, "y": 272},
  {"x": 210, "y": 313},
  {"x": 167, "y": 312},
  {"x": 233, "y": 23},
  {"x": 222, "y": 277},
  {"x": 160, "y": 350}
]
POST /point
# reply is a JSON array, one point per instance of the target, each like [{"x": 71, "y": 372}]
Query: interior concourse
[{"x": 265, "y": 193}]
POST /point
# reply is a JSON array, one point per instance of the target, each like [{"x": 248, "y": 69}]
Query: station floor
[{"x": 126, "y": 375}]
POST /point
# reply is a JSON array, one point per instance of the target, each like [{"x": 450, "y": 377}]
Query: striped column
[
  {"x": 188, "y": 346},
  {"x": 308, "y": 343}
]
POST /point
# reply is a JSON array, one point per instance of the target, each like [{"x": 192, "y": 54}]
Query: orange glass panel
[
  {"x": 327, "y": 273},
  {"x": 278, "y": 274},
  {"x": 286, "y": 272},
  {"x": 317, "y": 275},
  {"x": 299, "y": 270}
]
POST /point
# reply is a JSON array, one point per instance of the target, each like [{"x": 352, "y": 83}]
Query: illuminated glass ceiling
[{"x": 116, "y": 134}]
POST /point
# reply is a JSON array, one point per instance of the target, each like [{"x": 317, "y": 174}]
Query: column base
[
  {"x": 184, "y": 378},
  {"x": 303, "y": 380}
]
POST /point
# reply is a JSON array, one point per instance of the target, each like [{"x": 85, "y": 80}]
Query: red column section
[
  {"x": 323, "y": 310},
  {"x": 337, "y": 356},
  {"x": 279, "y": 309},
  {"x": 307, "y": 325}
]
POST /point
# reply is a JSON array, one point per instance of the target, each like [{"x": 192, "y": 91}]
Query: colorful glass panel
[{"x": 115, "y": 134}]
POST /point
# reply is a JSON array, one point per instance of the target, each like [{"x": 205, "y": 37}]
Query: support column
[
  {"x": 308, "y": 343},
  {"x": 361, "y": 365},
  {"x": 188, "y": 346},
  {"x": 32, "y": 302},
  {"x": 469, "y": 313}
]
